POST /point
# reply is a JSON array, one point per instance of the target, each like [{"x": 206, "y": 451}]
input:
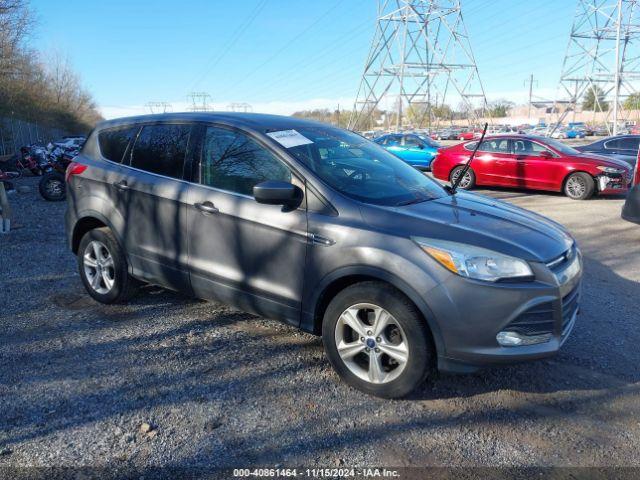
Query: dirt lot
[{"x": 223, "y": 388}]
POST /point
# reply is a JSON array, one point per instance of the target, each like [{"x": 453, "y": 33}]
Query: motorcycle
[{"x": 52, "y": 186}]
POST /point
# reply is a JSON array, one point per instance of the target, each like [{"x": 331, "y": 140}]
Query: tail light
[{"x": 74, "y": 168}]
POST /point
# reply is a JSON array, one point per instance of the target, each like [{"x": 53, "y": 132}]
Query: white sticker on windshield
[{"x": 289, "y": 138}]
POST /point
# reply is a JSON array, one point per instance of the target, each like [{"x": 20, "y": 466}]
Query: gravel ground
[{"x": 217, "y": 387}]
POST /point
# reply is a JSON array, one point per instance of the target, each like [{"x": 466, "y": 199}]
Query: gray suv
[{"x": 327, "y": 231}]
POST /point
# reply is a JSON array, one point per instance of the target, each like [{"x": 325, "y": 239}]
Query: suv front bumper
[{"x": 471, "y": 314}]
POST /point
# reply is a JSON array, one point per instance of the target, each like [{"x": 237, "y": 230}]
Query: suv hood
[{"x": 477, "y": 220}]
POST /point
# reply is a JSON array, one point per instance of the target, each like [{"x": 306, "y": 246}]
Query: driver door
[{"x": 243, "y": 253}]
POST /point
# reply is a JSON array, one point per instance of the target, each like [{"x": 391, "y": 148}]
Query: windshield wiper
[
  {"x": 452, "y": 189},
  {"x": 412, "y": 202}
]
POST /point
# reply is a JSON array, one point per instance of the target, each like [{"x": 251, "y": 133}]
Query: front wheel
[
  {"x": 376, "y": 340},
  {"x": 52, "y": 187},
  {"x": 467, "y": 182},
  {"x": 579, "y": 186}
]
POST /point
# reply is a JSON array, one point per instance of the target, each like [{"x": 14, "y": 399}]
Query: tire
[
  {"x": 470, "y": 178},
  {"x": 579, "y": 186},
  {"x": 52, "y": 187},
  {"x": 123, "y": 286},
  {"x": 406, "y": 331}
]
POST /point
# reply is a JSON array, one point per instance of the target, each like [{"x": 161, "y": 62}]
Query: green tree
[
  {"x": 632, "y": 102},
  {"x": 594, "y": 100},
  {"x": 500, "y": 108}
]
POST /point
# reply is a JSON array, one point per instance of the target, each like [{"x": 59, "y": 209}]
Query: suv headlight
[
  {"x": 610, "y": 170},
  {"x": 475, "y": 262}
]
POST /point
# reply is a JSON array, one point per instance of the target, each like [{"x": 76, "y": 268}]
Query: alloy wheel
[
  {"x": 576, "y": 186},
  {"x": 99, "y": 267},
  {"x": 371, "y": 343},
  {"x": 466, "y": 180}
]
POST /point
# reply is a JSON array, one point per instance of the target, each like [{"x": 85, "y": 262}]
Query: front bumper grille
[{"x": 540, "y": 320}]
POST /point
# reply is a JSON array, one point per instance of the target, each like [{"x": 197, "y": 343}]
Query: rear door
[
  {"x": 241, "y": 252},
  {"x": 155, "y": 194}
]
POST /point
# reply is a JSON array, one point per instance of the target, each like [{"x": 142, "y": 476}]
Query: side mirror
[
  {"x": 546, "y": 154},
  {"x": 275, "y": 192},
  {"x": 421, "y": 146}
]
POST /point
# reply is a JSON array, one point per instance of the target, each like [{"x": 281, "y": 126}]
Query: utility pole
[
  {"x": 616, "y": 96},
  {"x": 420, "y": 49},
  {"x": 530, "y": 82}
]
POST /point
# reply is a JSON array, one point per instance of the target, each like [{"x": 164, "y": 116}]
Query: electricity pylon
[
  {"x": 199, "y": 102},
  {"x": 156, "y": 107},
  {"x": 421, "y": 59},
  {"x": 602, "y": 60}
]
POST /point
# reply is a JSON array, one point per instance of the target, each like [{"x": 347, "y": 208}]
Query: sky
[{"x": 280, "y": 56}]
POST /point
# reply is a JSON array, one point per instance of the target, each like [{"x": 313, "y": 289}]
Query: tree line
[{"x": 35, "y": 88}]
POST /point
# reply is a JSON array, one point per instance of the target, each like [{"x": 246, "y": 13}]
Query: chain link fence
[{"x": 15, "y": 133}]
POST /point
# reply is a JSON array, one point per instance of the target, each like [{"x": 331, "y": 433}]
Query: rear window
[
  {"x": 161, "y": 149},
  {"x": 113, "y": 142}
]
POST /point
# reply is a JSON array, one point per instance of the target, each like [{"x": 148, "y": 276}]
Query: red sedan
[{"x": 535, "y": 163}]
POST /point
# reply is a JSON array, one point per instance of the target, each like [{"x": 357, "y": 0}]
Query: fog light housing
[{"x": 514, "y": 339}]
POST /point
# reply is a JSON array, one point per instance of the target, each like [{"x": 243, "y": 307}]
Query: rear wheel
[
  {"x": 467, "y": 182},
  {"x": 579, "y": 186},
  {"x": 376, "y": 340},
  {"x": 103, "y": 268}
]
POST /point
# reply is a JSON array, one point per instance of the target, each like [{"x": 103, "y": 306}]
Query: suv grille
[
  {"x": 538, "y": 320},
  {"x": 569, "y": 307}
]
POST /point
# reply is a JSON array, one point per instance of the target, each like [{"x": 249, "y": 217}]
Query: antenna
[{"x": 421, "y": 57}]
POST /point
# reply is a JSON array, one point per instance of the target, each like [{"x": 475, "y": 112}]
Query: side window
[
  {"x": 500, "y": 145},
  {"x": 232, "y": 161},
  {"x": 624, "y": 143},
  {"x": 527, "y": 147},
  {"x": 393, "y": 140},
  {"x": 113, "y": 142},
  {"x": 161, "y": 149},
  {"x": 411, "y": 142}
]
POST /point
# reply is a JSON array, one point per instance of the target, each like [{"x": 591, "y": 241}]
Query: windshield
[{"x": 360, "y": 169}]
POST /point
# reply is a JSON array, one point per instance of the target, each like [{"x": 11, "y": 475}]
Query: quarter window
[
  {"x": 161, "y": 149},
  {"x": 232, "y": 161},
  {"x": 114, "y": 142}
]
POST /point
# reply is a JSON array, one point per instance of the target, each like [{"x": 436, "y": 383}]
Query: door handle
[
  {"x": 121, "y": 185},
  {"x": 206, "y": 207},
  {"x": 320, "y": 240}
]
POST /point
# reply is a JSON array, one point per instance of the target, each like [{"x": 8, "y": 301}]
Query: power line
[
  {"x": 288, "y": 44},
  {"x": 237, "y": 34}
]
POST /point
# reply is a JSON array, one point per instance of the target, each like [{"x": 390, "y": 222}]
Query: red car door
[
  {"x": 536, "y": 166},
  {"x": 494, "y": 163}
]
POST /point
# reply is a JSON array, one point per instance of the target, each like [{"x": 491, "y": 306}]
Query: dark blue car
[{"x": 417, "y": 150}]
